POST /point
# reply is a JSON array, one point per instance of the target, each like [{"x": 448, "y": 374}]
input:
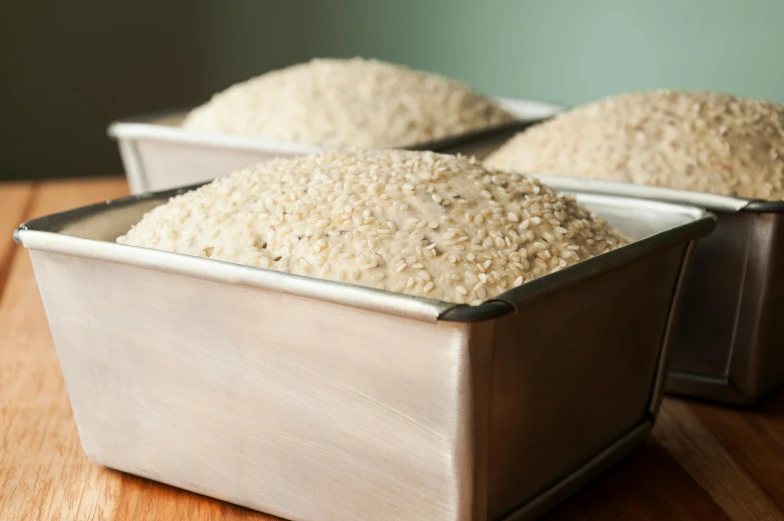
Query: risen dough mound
[
  {"x": 356, "y": 103},
  {"x": 419, "y": 223},
  {"x": 692, "y": 140}
]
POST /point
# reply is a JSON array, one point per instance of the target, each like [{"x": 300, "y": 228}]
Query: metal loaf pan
[
  {"x": 323, "y": 401},
  {"x": 157, "y": 154},
  {"x": 729, "y": 344}
]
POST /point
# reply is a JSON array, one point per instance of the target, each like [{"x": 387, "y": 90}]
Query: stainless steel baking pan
[
  {"x": 321, "y": 401},
  {"x": 158, "y": 154},
  {"x": 729, "y": 344}
]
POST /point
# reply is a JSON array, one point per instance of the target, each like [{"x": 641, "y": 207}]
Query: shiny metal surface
[
  {"x": 320, "y": 401},
  {"x": 728, "y": 344},
  {"x": 562, "y": 388},
  {"x": 585, "y": 474},
  {"x": 732, "y": 343},
  {"x": 157, "y": 154}
]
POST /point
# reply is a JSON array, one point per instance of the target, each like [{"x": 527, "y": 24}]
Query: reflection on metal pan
[
  {"x": 728, "y": 342},
  {"x": 253, "y": 386}
]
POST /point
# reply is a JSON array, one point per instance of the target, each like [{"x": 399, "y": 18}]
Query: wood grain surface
[{"x": 703, "y": 462}]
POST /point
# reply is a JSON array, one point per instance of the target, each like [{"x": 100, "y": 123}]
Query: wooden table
[{"x": 703, "y": 462}]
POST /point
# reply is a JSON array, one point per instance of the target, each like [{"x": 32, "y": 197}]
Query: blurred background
[{"x": 70, "y": 68}]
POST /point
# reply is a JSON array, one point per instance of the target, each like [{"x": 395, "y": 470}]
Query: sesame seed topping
[
  {"x": 396, "y": 106},
  {"x": 320, "y": 216},
  {"x": 730, "y": 146}
]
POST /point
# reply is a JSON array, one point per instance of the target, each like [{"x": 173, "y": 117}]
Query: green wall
[{"x": 71, "y": 69}]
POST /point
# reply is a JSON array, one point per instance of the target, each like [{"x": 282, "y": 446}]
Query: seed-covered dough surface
[
  {"x": 691, "y": 140},
  {"x": 419, "y": 223},
  {"x": 354, "y": 103}
]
